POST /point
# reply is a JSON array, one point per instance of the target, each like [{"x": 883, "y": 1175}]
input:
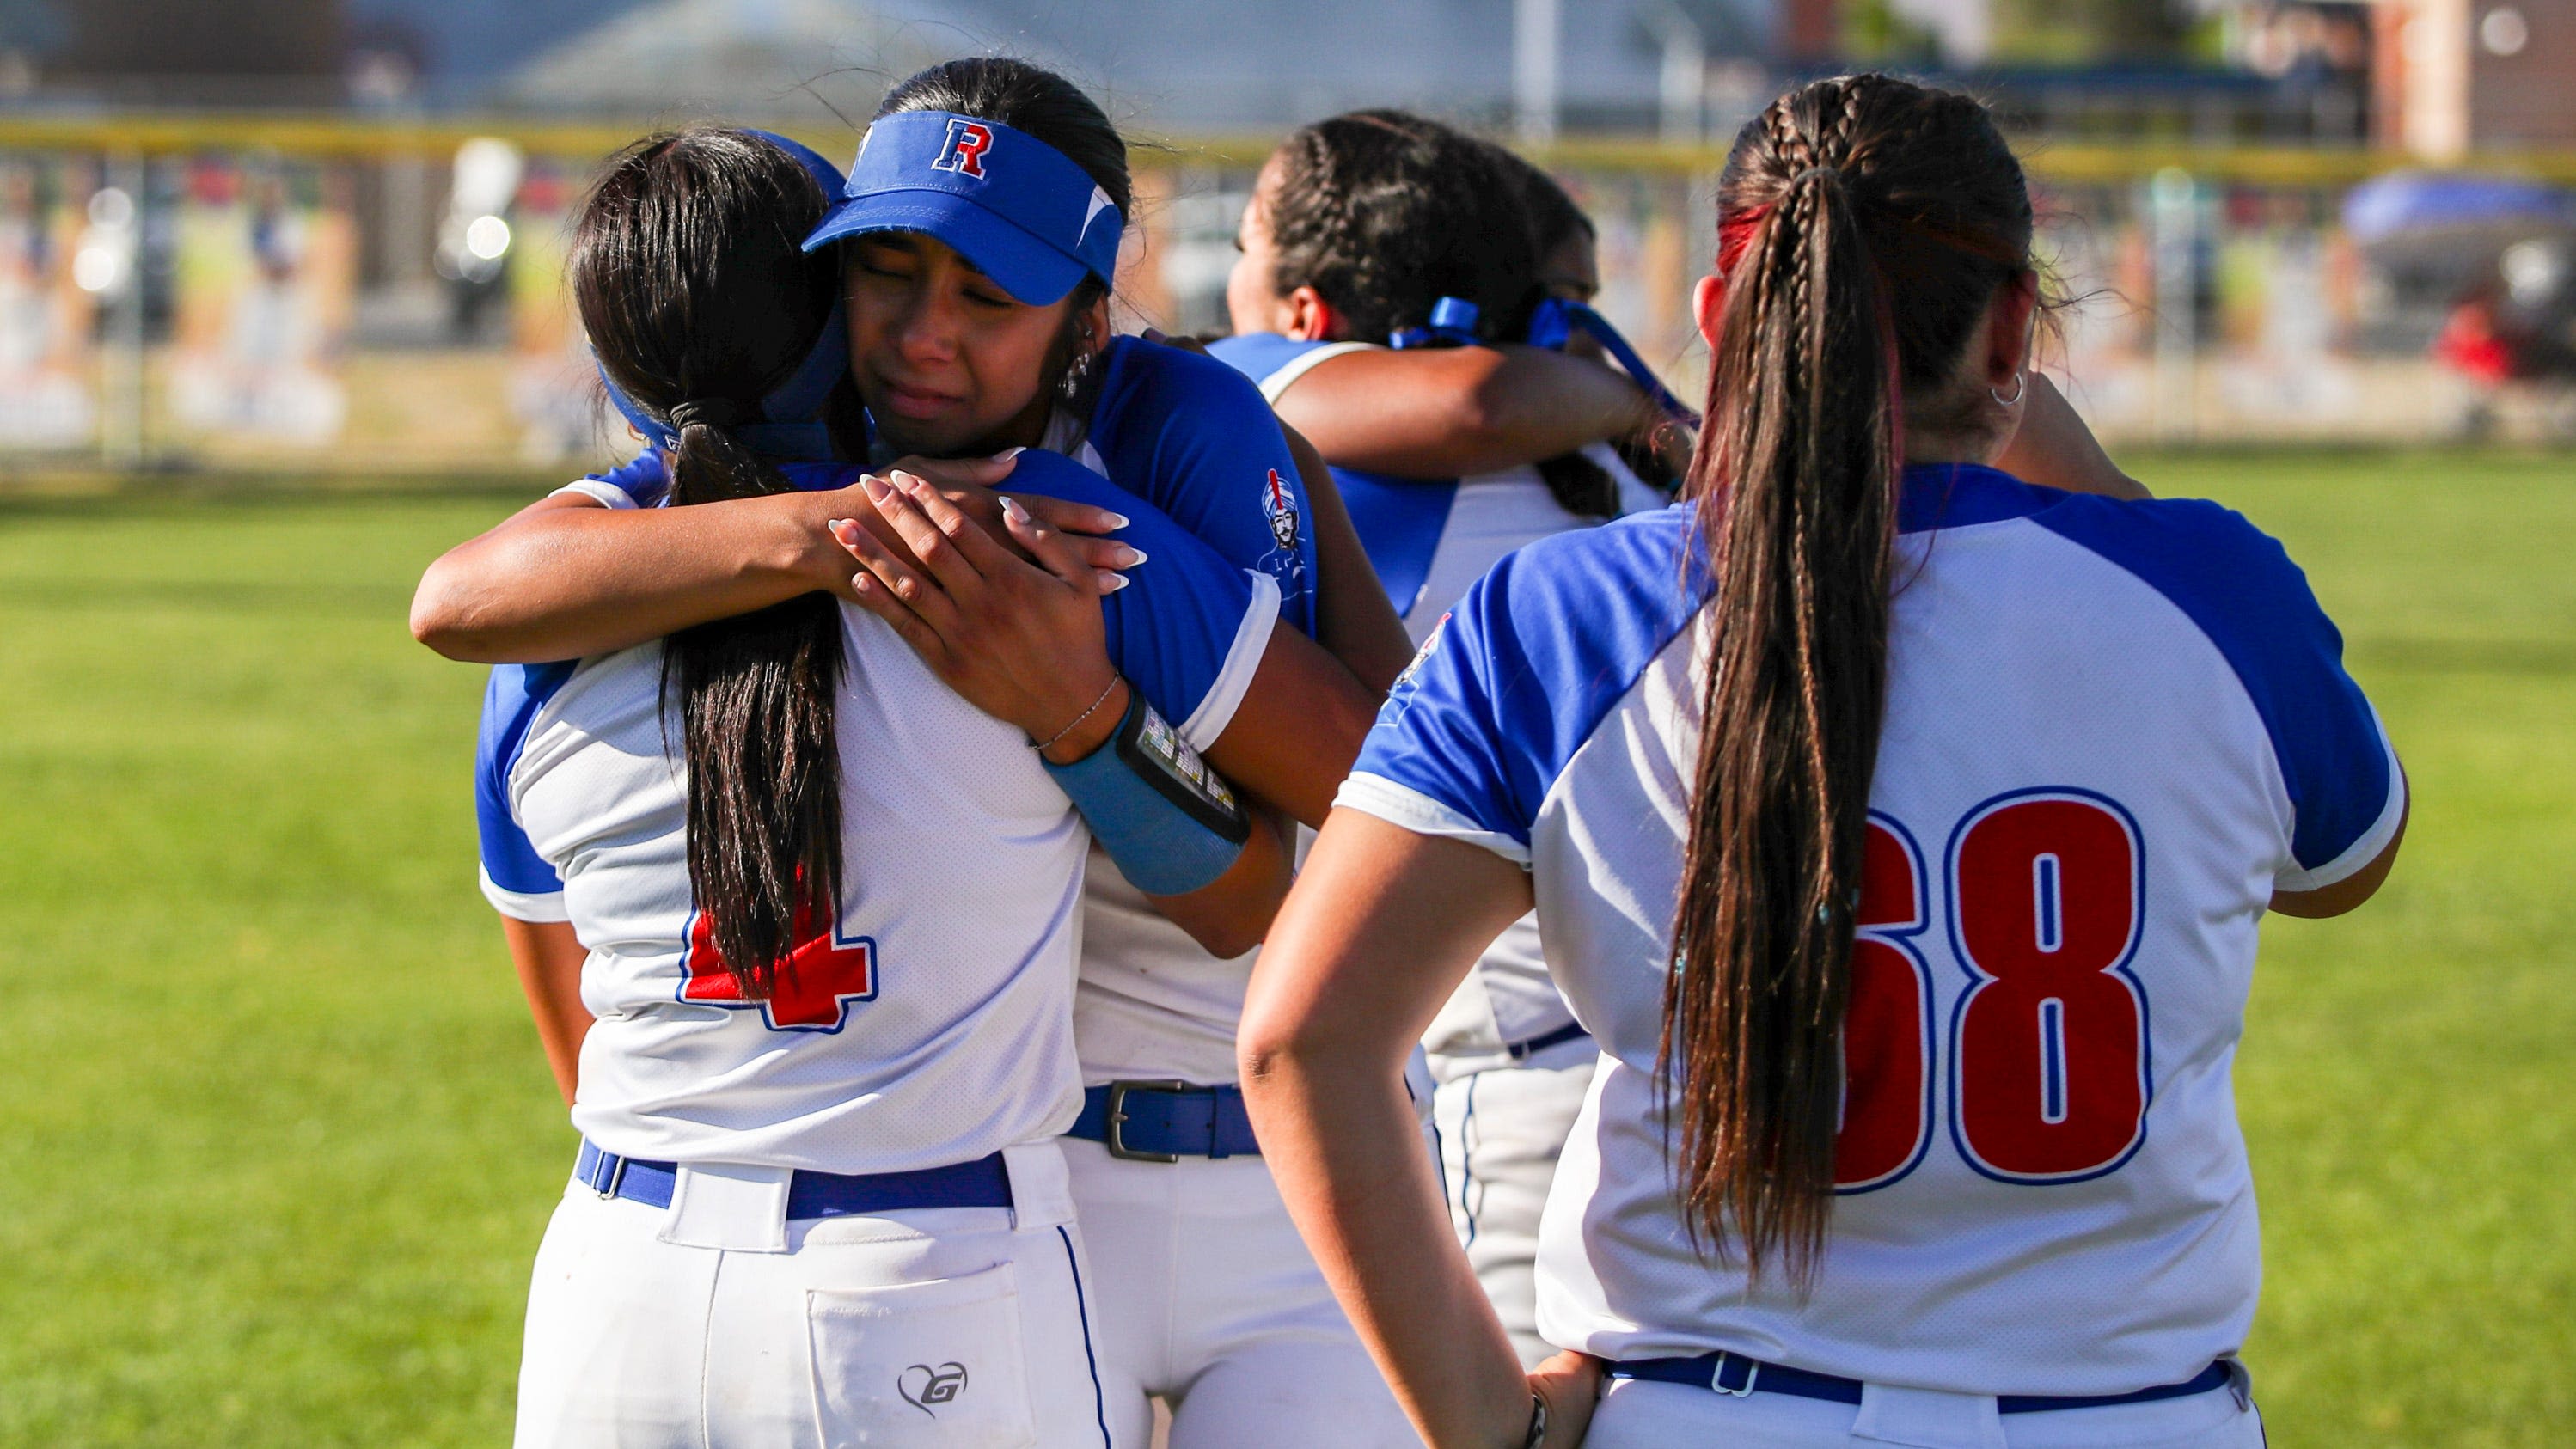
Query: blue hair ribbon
[
  {"x": 1453, "y": 324},
  {"x": 1557, "y": 320}
]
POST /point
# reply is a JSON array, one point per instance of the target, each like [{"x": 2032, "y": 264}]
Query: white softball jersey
[
  {"x": 930, "y": 1021},
  {"x": 1429, "y": 539},
  {"x": 2113, "y": 730}
]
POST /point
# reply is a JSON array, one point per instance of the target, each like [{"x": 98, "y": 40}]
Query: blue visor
[
  {"x": 1011, "y": 204},
  {"x": 791, "y": 422}
]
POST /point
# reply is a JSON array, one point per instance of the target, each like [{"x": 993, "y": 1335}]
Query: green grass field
[{"x": 276, "y": 1143}]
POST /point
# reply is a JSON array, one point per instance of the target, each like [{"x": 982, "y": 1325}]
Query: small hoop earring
[{"x": 2021, "y": 384}]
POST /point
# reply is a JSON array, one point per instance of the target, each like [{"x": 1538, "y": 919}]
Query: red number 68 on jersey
[{"x": 2045, "y": 894}]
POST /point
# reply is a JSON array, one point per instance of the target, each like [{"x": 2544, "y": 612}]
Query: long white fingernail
[
  {"x": 1118, "y": 520},
  {"x": 1111, "y": 583},
  {"x": 1012, "y": 510},
  {"x": 1132, "y": 556},
  {"x": 1010, "y": 453}
]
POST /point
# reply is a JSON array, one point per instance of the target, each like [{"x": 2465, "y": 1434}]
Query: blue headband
[
  {"x": 1016, "y": 207},
  {"x": 791, "y": 425},
  {"x": 1557, "y": 320}
]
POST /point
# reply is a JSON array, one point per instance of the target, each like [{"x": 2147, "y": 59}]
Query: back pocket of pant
[{"x": 922, "y": 1365}]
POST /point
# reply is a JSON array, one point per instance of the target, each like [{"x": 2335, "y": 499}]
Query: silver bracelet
[
  {"x": 1537, "y": 1434},
  {"x": 1086, "y": 714}
]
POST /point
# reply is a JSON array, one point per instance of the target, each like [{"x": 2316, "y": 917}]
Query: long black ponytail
[{"x": 687, "y": 268}]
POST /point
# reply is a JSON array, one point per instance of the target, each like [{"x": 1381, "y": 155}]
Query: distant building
[
  {"x": 736, "y": 57},
  {"x": 190, "y": 52},
  {"x": 1183, "y": 66},
  {"x": 2459, "y": 75}
]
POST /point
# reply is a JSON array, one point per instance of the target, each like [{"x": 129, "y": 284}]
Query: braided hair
[
  {"x": 1384, "y": 213},
  {"x": 1864, "y": 226}
]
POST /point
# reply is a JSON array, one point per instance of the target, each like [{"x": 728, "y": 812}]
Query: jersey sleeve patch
[
  {"x": 1193, "y": 437},
  {"x": 2239, "y": 587},
  {"x": 518, "y": 881}
]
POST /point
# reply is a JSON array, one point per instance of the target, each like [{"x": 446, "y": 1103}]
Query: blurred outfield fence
[{"x": 372, "y": 295}]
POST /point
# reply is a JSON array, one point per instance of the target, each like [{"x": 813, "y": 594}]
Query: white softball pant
[
  {"x": 1636, "y": 1414},
  {"x": 944, "y": 1328},
  {"x": 1208, "y": 1299},
  {"x": 1501, "y": 1128}
]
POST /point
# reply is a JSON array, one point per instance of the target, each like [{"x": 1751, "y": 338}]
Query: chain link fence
[{"x": 327, "y": 296}]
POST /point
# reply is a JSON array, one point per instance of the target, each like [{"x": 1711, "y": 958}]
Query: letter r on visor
[{"x": 964, "y": 153}]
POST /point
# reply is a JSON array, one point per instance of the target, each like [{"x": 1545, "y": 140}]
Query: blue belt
[
  {"x": 1524, "y": 1050},
  {"x": 1166, "y": 1121},
  {"x": 983, "y": 1182},
  {"x": 1733, "y": 1373}
]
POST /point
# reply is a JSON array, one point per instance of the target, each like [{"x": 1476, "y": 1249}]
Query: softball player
[
  {"x": 1440, "y": 212},
  {"x": 1900, "y": 829},
  {"x": 1209, "y": 1299}
]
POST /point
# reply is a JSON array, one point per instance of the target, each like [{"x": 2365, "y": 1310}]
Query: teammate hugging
[{"x": 1851, "y": 870}]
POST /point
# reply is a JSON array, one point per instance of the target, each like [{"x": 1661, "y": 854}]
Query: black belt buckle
[{"x": 1112, "y": 1134}]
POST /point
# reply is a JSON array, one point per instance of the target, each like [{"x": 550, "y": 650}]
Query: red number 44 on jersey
[{"x": 822, "y": 976}]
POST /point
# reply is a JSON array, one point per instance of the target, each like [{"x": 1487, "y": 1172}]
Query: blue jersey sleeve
[
  {"x": 1478, "y": 728},
  {"x": 518, "y": 881},
  {"x": 1441, "y": 759},
  {"x": 1399, "y": 520},
  {"x": 1192, "y": 436},
  {"x": 640, "y": 482},
  {"x": 1258, "y": 354},
  {"x": 2238, "y": 585}
]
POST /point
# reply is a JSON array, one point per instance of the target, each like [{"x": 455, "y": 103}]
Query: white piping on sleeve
[
  {"x": 2374, "y": 840},
  {"x": 523, "y": 905},
  {"x": 606, "y": 495},
  {"x": 1410, "y": 809},
  {"x": 1242, "y": 660},
  {"x": 1304, "y": 362}
]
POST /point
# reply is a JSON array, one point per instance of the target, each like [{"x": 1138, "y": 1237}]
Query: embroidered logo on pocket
[
  {"x": 922, "y": 1386},
  {"x": 935, "y": 1363}
]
